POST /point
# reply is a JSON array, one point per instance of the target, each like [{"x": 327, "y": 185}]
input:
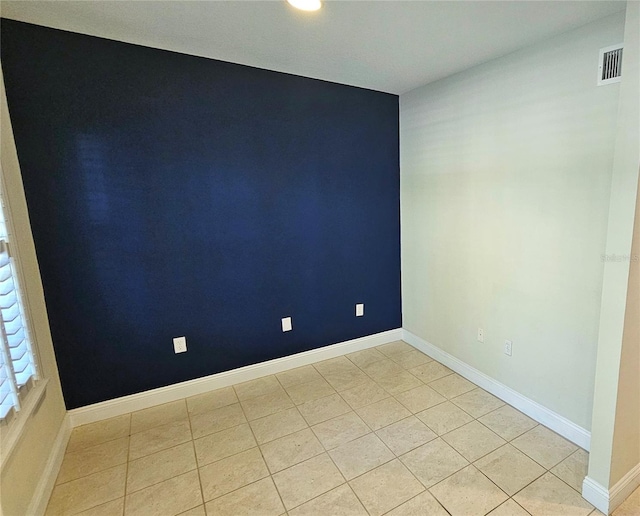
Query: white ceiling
[{"x": 390, "y": 46}]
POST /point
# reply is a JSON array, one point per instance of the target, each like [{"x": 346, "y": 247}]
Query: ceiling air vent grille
[{"x": 610, "y": 69}]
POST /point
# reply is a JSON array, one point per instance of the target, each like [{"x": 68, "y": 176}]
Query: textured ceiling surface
[{"x": 391, "y": 46}]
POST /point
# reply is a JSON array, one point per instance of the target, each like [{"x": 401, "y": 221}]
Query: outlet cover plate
[
  {"x": 480, "y": 335},
  {"x": 508, "y": 347},
  {"x": 286, "y": 324},
  {"x": 359, "y": 309},
  {"x": 180, "y": 344}
]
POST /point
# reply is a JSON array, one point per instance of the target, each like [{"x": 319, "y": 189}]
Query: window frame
[{"x": 33, "y": 392}]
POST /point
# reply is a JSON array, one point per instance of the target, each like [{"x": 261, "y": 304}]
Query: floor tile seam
[
  {"x": 369, "y": 470},
  {"x": 566, "y": 483},
  {"x": 292, "y": 403},
  {"x": 452, "y": 372},
  {"x": 538, "y": 478},
  {"x": 371, "y": 431},
  {"x": 411, "y": 351},
  {"x": 297, "y": 463},
  {"x": 326, "y": 450},
  {"x": 558, "y": 477},
  {"x": 307, "y": 401},
  {"x": 513, "y": 438},
  {"x": 132, "y": 491},
  {"x": 496, "y": 485},
  {"x": 361, "y": 367},
  {"x": 298, "y": 384},
  {"x": 523, "y": 487},
  {"x": 376, "y": 467},
  {"x": 511, "y": 498},
  {"x": 146, "y": 454},
  {"x": 280, "y": 436},
  {"x": 380, "y": 465},
  {"x": 533, "y": 459},
  {"x": 481, "y": 457},
  {"x": 191, "y": 413},
  {"x": 400, "y": 392},
  {"x": 264, "y": 460},
  {"x": 88, "y": 448},
  {"x": 262, "y": 393},
  {"x": 126, "y": 472},
  {"x": 195, "y": 456},
  {"x": 415, "y": 447},
  {"x": 105, "y": 503},
  {"x": 95, "y": 444},
  {"x": 207, "y": 500},
  {"x": 416, "y": 496},
  {"x": 254, "y": 419},
  {"x": 187, "y": 420},
  {"x": 126, "y": 478},
  {"x": 161, "y": 451},
  {"x": 186, "y": 416},
  {"x": 441, "y": 480},
  {"x": 208, "y": 411},
  {"x": 322, "y": 398},
  {"x": 221, "y": 430},
  {"x": 338, "y": 371},
  {"x": 74, "y": 512},
  {"x": 485, "y": 476},
  {"x": 197, "y": 467},
  {"x": 395, "y": 396},
  {"x": 366, "y": 405},
  {"x": 481, "y": 415},
  {"x": 318, "y": 495},
  {"x": 166, "y": 480},
  {"x": 90, "y": 474}
]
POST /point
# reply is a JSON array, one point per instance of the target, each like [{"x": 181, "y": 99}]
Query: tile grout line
[
  {"x": 195, "y": 457},
  {"x": 126, "y": 474},
  {"x": 270, "y": 476},
  {"x": 326, "y": 450}
]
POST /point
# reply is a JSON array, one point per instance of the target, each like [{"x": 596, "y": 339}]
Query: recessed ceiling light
[{"x": 306, "y": 5}]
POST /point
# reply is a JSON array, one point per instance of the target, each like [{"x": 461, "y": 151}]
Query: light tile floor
[{"x": 382, "y": 431}]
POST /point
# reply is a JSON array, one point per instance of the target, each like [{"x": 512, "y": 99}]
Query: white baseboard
[
  {"x": 125, "y": 404},
  {"x": 534, "y": 410},
  {"x": 596, "y": 494},
  {"x": 607, "y": 501},
  {"x": 47, "y": 481},
  {"x": 624, "y": 487}
]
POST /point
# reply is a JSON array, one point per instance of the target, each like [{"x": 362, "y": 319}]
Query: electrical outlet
[
  {"x": 359, "y": 310},
  {"x": 508, "y": 345},
  {"x": 286, "y": 324},
  {"x": 180, "y": 344},
  {"x": 480, "y": 335}
]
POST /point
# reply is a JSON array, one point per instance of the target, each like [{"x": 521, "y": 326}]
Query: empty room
[{"x": 320, "y": 257}]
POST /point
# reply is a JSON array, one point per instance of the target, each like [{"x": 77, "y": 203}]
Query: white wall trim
[
  {"x": 534, "y": 410},
  {"x": 47, "y": 481},
  {"x": 596, "y": 494},
  {"x": 16, "y": 427},
  {"x": 607, "y": 501},
  {"x": 125, "y": 404},
  {"x": 624, "y": 487}
]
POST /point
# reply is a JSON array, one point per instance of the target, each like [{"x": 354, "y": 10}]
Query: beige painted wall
[
  {"x": 626, "y": 436},
  {"x": 22, "y": 470},
  {"x": 505, "y": 180}
]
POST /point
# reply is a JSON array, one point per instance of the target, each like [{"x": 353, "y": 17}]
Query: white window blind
[{"x": 17, "y": 365}]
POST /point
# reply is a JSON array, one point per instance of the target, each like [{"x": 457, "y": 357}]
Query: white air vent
[{"x": 610, "y": 67}]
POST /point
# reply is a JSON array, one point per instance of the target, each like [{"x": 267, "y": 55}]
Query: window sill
[{"x": 11, "y": 433}]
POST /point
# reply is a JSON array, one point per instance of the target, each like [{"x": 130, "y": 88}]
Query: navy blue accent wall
[{"x": 173, "y": 195}]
